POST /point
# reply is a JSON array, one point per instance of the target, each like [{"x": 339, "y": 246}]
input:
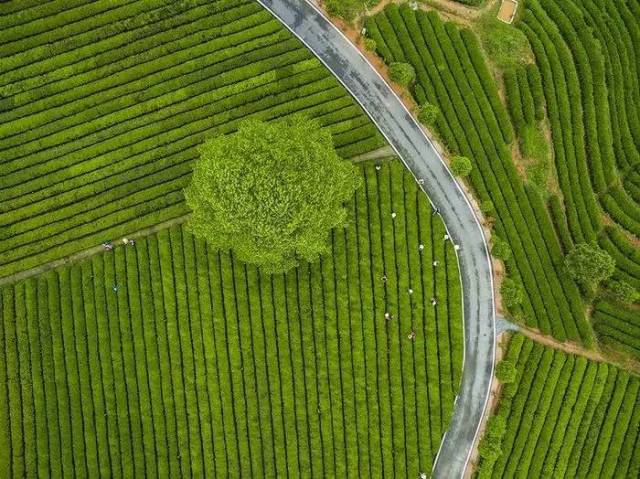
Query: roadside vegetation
[{"x": 451, "y": 74}]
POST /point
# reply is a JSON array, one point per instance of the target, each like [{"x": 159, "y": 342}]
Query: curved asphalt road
[{"x": 420, "y": 156}]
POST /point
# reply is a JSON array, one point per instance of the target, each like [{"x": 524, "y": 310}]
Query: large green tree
[{"x": 271, "y": 192}]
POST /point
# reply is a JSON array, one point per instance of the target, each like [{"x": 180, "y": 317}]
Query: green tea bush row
[
  {"x": 616, "y": 44},
  {"x": 577, "y": 218},
  {"x": 71, "y": 61},
  {"x": 617, "y": 325},
  {"x": 467, "y": 120},
  {"x": 84, "y": 77},
  {"x": 565, "y": 415},
  {"x": 86, "y": 144},
  {"x": 270, "y": 42},
  {"x": 622, "y": 209},
  {"x": 593, "y": 44},
  {"x": 168, "y": 356}
]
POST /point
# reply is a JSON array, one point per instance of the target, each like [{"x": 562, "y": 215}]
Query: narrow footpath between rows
[{"x": 420, "y": 156}]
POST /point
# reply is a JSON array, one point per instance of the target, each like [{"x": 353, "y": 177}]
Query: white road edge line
[{"x": 493, "y": 313}]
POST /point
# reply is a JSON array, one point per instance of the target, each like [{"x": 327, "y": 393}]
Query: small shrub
[
  {"x": 623, "y": 292},
  {"x": 428, "y": 114},
  {"x": 461, "y": 166},
  {"x": 487, "y": 207},
  {"x": 489, "y": 450},
  {"x": 370, "y": 44},
  {"x": 506, "y": 372},
  {"x": 402, "y": 73},
  {"x": 501, "y": 249},
  {"x": 511, "y": 292}
]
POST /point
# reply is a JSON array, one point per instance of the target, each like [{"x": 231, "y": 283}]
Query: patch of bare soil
[
  {"x": 507, "y": 11},
  {"x": 573, "y": 348}
]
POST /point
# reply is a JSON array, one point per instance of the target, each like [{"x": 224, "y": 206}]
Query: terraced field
[
  {"x": 566, "y": 416},
  {"x": 167, "y": 358},
  {"x": 618, "y": 327},
  {"x": 452, "y": 74},
  {"x": 103, "y": 106},
  {"x": 586, "y": 52}
]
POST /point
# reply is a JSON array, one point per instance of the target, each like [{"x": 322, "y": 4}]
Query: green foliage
[
  {"x": 184, "y": 369},
  {"x": 104, "y": 172},
  {"x": 428, "y": 114},
  {"x": 473, "y": 3},
  {"x": 487, "y": 207},
  {"x": 500, "y": 249},
  {"x": 347, "y": 9},
  {"x": 534, "y": 144},
  {"x": 617, "y": 325},
  {"x": 270, "y": 192},
  {"x": 504, "y": 44},
  {"x": 451, "y": 72},
  {"x": 370, "y": 44},
  {"x": 535, "y": 84},
  {"x": 566, "y": 416},
  {"x": 589, "y": 264},
  {"x": 489, "y": 450},
  {"x": 623, "y": 291},
  {"x": 402, "y": 73},
  {"x": 496, "y": 426},
  {"x": 461, "y": 166},
  {"x": 538, "y": 175},
  {"x": 506, "y": 371},
  {"x": 511, "y": 292}
]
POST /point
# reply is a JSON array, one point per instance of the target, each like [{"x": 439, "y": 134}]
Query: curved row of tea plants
[
  {"x": 586, "y": 53},
  {"x": 563, "y": 416},
  {"x": 451, "y": 73},
  {"x": 166, "y": 358},
  {"x": 102, "y": 108},
  {"x": 618, "y": 327}
]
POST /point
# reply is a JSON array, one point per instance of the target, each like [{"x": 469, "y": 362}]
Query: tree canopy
[
  {"x": 271, "y": 192},
  {"x": 589, "y": 264},
  {"x": 428, "y": 114},
  {"x": 461, "y": 166},
  {"x": 402, "y": 73}
]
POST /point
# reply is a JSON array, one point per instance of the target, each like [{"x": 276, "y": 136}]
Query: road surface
[{"x": 419, "y": 155}]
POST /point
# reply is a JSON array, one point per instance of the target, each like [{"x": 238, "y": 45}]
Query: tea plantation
[
  {"x": 586, "y": 52},
  {"x": 169, "y": 358},
  {"x": 103, "y": 106},
  {"x": 452, "y": 73},
  {"x": 166, "y": 358},
  {"x": 565, "y": 416}
]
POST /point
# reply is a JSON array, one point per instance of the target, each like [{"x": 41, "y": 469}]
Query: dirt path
[
  {"x": 382, "y": 152},
  {"x": 80, "y": 255},
  {"x": 573, "y": 348}
]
